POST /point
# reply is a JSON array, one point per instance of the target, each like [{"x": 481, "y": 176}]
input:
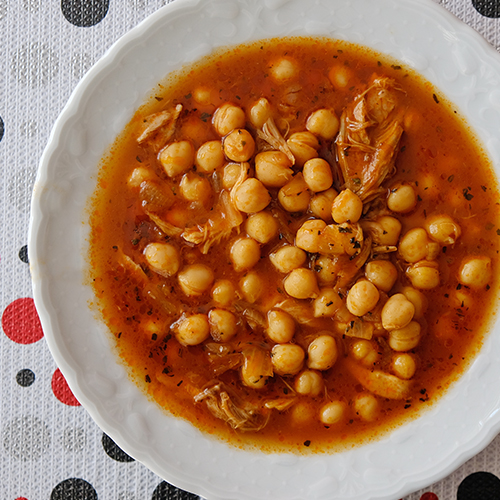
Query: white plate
[{"x": 417, "y": 32}]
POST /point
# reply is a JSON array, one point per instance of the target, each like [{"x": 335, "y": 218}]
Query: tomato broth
[{"x": 295, "y": 245}]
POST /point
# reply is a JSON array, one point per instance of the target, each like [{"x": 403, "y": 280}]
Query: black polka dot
[
  {"x": 73, "y": 489},
  {"x": 84, "y": 13},
  {"x": 165, "y": 491},
  {"x": 23, "y": 254},
  {"x": 25, "y": 377},
  {"x": 487, "y": 8},
  {"x": 2, "y": 128},
  {"x": 479, "y": 486},
  {"x": 113, "y": 450}
]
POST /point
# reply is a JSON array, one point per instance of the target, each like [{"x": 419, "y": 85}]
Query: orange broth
[{"x": 437, "y": 154}]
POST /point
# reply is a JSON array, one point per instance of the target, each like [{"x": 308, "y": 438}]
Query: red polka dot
[
  {"x": 61, "y": 390},
  {"x": 21, "y": 498},
  {"x": 429, "y": 496},
  {"x": 21, "y": 323}
]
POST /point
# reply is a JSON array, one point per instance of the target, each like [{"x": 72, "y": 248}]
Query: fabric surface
[{"x": 50, "y": 447}]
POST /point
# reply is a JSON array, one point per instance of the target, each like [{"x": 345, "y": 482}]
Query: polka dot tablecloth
[{"x": 50, "y": 447}]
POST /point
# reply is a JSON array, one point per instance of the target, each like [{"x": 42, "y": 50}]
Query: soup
[{"x": 294, "y": 244}]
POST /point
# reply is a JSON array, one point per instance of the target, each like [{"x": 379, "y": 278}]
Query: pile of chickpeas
[{"x": 294, "y": 179}]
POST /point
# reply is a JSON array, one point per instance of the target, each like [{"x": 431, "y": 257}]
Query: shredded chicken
[
  {"x": 367, "y": 143},
  {"x": 226, "y": 217},
  {"x": 166, "y": 227},
  {"x": 271, "y": 134},
  {"x": 252, "y": 315},
  {"x": 131, "y": 266},
  {"x": 160, "y": 128},
  {"x": 241, "y": 416}
]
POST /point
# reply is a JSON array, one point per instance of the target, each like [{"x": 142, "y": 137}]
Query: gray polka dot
[
  {"x": 73, "y": 439},
  {"x": 35, "y": 64},
  {"x": 29, "y": 129},
  {"x": 20, "y": 187},
  {"x": 26, "y": 438},
  {"x": 31, "y": 5},
  {"x": 3, "y": 9},
  {"x": 80, "y": 64}
]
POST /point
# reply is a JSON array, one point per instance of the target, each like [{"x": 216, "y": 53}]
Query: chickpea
[
  {"x": 301, "y": 284},
  {"x": 308, "y": 236},
  {"x": 260, "y": 112},
  {"x": 317, "y": 174},
  {"x": 284, "y": 69},
  {"x": 323, "y": 123},
  {"x": 262, "y": 227},
  {"x": 321, "y": 204},
  {"x": 194, "y": 128},
  {"x": 397, "y": 312},
  {"x": 404, "y": 366},
  {"x": 309, "y": 383},
  {"x": 139, "y": 175},
  {"x": 287, "y": 258},
  {"x": 303, "y": 413},
  {"x": 227, "y": 118},
  {"x": 287, "y": 359},
  {"x": 273, "y": 168},
  {"x": 251, "y": 196},
  {"x": 366, "y": 406},
  {"x": 322, "y": 352},
  {"x": 386, "y": 230},
  {"x": 294, "y": 195},
  {"x": 239, "y": 145},
  {"x": 223, "y": 292},
  {"x": 281, "y": 326},
  {"x": 405, "y": 338},
  {"x": 230, "y": 175},
  {"x": 362, "y": 298},
  {"x": 195, "y": 279},
  {"x": 304, "y": 146},
  {"x": 223, "y": 325},
  {"x": 209, "y": 157},
  {"x": 202, "y": 95},
  {"x": 443, "y": 229},
  {"x": 195, "y": 188},
  {"x": 251, "y": 286},
  {"x": 414, "y": 245},
  {"x": 326, "y": 269},
  {"x": 418, "y": 299},
  {"x": 402, "y": 198},
  {"x": 382, "y": 273},
  {"x": 475, "y": 271},
  {"x": 424, "y": 274},
  {"x": 192, "y": 330},
  {"x": 347, "y": 207},
  {"x": 333, "y": 412},
  {"x": 177, "y": 158},
  {"x": 365, "y": 352},
  {"x": 327, "y": 303},
  {"x": 244, "y": 254},
  {"x": 163, "y": 258},
  {"x": 340, "y": 76}
]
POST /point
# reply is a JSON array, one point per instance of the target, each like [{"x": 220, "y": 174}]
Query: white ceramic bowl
[{"x": 417, "y": 32}]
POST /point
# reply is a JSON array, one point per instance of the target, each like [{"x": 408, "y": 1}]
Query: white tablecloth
[{"x": 50, "y": 446}]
